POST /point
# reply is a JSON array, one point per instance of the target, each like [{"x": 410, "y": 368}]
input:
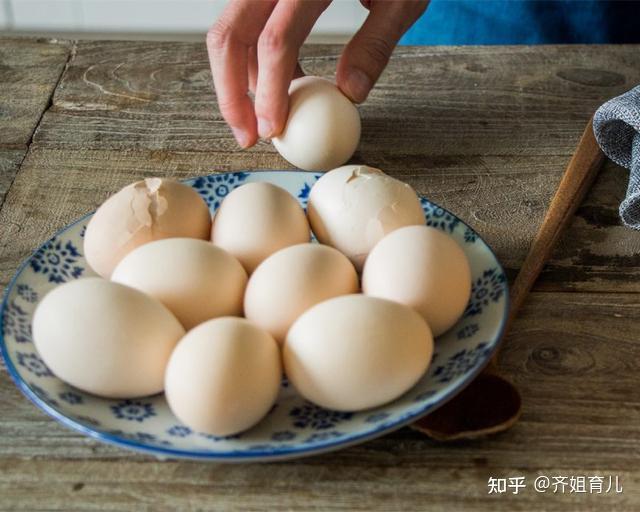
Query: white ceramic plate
[{"x": 295, "y": 427}]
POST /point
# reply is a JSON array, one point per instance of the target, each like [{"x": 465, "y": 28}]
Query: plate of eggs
[{"x": 253, "y": 316}]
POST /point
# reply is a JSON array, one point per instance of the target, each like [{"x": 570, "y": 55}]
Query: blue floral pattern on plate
[
  {"x": 485, "y": 289},
  {"x": 58, "y": 260},
  {"x": 27, "y": 293},
  {"x": 438, "y": 217},
  {"x": 133, "y": 410},
  {"x": 71, "y": 397},
  {"x": 215, "y": 187},
  {"x": 467, "y": 331},
  {"x": 470, "y": 236},
  {"x": 294, "y": 427},
  {"x": 461, "y": 362},
  {"x": 16, "y": 321}
]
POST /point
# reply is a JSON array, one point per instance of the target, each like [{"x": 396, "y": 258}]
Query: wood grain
[
  {"x": 598, "y": 253},
  {"x": 9, "y": 163},
  {"x": 486, "y": 132},
  {"x": 29, "y": 73},
  {"x": 507, "y": 100},
  {"x": 130, "y": 485},
  {"x": 576, "y": 181},
  {"x": 56, "y": 186},
  {"x": 581, "y": 416}
]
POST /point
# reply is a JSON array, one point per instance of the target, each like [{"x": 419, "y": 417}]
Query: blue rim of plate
[{"x": 254, "y": 455}]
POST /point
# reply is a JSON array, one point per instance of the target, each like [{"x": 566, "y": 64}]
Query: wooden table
[{"x": 485, "y": 131}]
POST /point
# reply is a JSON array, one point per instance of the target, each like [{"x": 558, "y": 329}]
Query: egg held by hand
[
  {"x": 147, "y": 210},
  {"x": 224, "y": 376},
  {"x": 323, "y": 126},
  {"x": 196, "y": 280},
  {"x": 105, "y": 338}
]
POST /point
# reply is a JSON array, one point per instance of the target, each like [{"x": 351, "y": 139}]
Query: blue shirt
[{"x": 462, "y": 22}]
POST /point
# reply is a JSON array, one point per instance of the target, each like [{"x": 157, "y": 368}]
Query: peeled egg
[
  {"x": 292, "y": 280},
  {"x": 323, "y": 127},
  {"x": 256, "y": 220},
  {"x": 355, "y": 352},
  {"x": 144, "y": 211},
  {"x": 352, "y": 207},
  {"x": 423, "y": 268},
  {"x": 223, "y": 376},
  {"x": 196, "y": 280},
  {"x": 105, "y": 338}
]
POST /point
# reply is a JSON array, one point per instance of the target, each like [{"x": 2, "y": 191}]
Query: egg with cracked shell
[
  {"x": 147, "y": 210},
  {"x": 352, "y": 207}
]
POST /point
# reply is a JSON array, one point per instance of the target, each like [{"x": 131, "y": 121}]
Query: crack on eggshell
[
  {"x": 147, "y": 205},
  {"x": 363, "y": 171}
]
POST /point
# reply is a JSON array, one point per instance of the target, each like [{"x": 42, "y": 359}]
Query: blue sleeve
[{"x": 462, "y": 22}]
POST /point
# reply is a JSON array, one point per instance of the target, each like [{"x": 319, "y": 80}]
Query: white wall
[
  {"x": 4, "y": 15},
  {"x": 343, "y": 17}
]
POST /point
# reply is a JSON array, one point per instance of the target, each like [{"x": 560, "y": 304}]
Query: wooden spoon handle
[
  {"x": 491, "y": 403},
  {"x": 575, "y": 183}
]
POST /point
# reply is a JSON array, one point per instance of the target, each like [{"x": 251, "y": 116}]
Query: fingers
[
  {"x": 228, "y": 43},
  {"x": 368, "y": 52},
  {"x": 277, "y": 50},
  {"x": 253, "y": 69}
]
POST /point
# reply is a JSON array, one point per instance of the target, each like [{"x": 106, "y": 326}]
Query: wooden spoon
[{"x": 490, "y": 403}]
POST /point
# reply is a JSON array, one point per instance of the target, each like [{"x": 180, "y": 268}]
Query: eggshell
[
  {"x": 355, "y": 352},
  {"x": 292, "y": 280},
  {"x": 256, "y": 220},
  {"x": 196, "y": 280},
  {"x": 224, "y": 376},
  {"x": 105, "y": 338},
  {"x": 323, "y": 127},
  {"x": 352, "y": 207},
  {"x": 423, "y": 268},
  {"x": 144, "y": 211}
]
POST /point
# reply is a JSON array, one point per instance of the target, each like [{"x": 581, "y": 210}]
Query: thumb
[{"x": 368, "y": 52}]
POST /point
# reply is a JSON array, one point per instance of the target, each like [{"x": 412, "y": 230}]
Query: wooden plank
[
  {"x": 581, "y": 417},
  {"x": 598, "y": 253},
  {"x": 9, "y": 163},
  {"x": 503, "y": 197},
  {"x": 429, "y": 102},
  {"x": 29, "y": 73},
  {"x": 130, "y": 110},
  {"x": 384, "y": 484},
  {"x": 57, "y": 186}
]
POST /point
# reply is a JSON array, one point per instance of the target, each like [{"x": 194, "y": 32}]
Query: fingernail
[
  {"x": 241, "y": 136},
  {"x": 265, "y": 128},
  {"x": 358, "y": 85}
]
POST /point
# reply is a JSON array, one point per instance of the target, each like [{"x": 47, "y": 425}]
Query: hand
[{"x": 254, "y": 47}]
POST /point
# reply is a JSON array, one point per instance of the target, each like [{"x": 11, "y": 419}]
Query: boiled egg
[
  {"x": 425, "y": 269},
  {"x": 144, "y": 211},
  {"x": 224, "y": 376},
  {"x": 256, "y": 220},
  {"x": 355, "y": 352},
  {"x": 196, "y": 280},
  {"x": 105, "y": 338},
  {"x": 292, "y": 280},
  {"x": 352, "y": 207},
  {"x": 323, "y": 126}
]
